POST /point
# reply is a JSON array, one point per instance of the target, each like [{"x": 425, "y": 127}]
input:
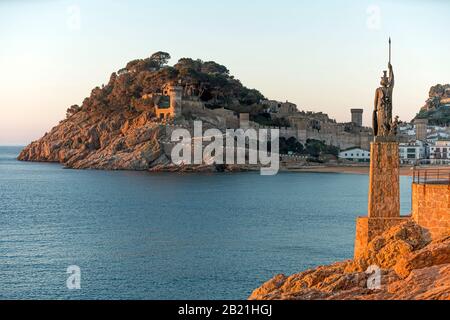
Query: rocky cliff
[
  {"x": 412, "y": 268},
  {"x": 117, "y": 141},
  {"x": 113, "y": 128},
  {"x": 437, "y": 107}
]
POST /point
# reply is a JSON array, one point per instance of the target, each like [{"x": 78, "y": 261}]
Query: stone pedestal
[
  {"x": 368, "y": 229},
  {"x": 384, "y": 185},
  {"x": 384, "y": 194}
]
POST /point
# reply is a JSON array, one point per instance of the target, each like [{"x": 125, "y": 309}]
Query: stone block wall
[
  {"x": 431, "y": 208},
  {"x": 384, "y": 186}
]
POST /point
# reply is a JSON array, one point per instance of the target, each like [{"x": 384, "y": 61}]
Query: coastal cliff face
[
  {"x": 115, "y": 142},
  {"x": 412, "y": 268}
]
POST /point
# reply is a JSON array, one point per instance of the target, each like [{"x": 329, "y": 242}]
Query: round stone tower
[{"x": 176, "y": 94}]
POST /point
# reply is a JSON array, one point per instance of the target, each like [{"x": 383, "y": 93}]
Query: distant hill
[{"x": 437, "y": 107}]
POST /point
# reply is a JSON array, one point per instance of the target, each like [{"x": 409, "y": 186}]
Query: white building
[
  {"x": 407, "y": 129},
  {"x": 436, "y": 136},
  {"x": 412, "y": 152},
  {"x": 355, "y": 154},
  {"x": 440, "y": 151}
]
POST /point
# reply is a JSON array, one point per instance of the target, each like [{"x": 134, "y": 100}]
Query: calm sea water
[{"x": 168, "y": 236}]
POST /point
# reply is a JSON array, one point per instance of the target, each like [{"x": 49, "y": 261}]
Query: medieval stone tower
[
  {"x": 169, "y": 103},
  {"x": 357, "y": 116},
  {"x": 176, "y": 95},
  {"x": 421, "y": 129}
]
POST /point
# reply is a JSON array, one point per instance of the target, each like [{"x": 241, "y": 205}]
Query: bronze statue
[
  {"x": 382, "y": 115},
  {"x": 382, "y": 119}
]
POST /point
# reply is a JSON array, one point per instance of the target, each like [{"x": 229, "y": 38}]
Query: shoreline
[{"x": 361, "y": 170}]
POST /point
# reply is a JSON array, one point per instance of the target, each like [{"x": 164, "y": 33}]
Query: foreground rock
[{"x": 412, "y": 268}]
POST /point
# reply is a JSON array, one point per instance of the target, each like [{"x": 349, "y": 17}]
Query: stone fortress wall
[
  {"x": 303, "y": 125},
  {"x": 341, "y": 135}
]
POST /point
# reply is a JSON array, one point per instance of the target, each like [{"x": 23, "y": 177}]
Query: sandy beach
[{"x": 404, "y": 171}]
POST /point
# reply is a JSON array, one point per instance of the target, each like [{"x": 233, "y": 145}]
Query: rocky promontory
[
  {"x": 120, "y": 140},
  {"x": 116, "y": 128},
  {"x": 437, "y": 107},
  {"x": 412, "y": 267}
]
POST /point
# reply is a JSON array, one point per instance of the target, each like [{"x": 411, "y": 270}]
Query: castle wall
[
  {"x": 244, "y": 120},
  {"x": 341, "y": 139},
  {"x": 230, "y": 119},
  {"x": 332, "y": 133},
  {"x": 431, "y": 208},
  {"x": 192, "y": 105}
]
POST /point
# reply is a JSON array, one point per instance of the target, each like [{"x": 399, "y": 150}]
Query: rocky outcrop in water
[
  {"x": 114, "y": 129},
  {"x": 412, "y": 267},
  {"x": 93, "y": 141}
]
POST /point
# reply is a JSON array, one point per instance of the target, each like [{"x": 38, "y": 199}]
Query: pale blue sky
[{"x": 323, "y": 55}]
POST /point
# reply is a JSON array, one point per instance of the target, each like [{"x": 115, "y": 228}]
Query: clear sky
[{"x": 323, "y": 55}]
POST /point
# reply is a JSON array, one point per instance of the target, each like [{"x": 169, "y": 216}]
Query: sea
[{"x": 86, "y": 234}]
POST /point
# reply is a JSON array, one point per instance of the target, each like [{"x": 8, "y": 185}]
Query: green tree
[
  {"x": 160, "y": 58},
  {"x": 290, "y": 145}
]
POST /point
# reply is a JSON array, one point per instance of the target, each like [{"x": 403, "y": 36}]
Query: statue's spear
[{"x": 390, "y": 44}]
